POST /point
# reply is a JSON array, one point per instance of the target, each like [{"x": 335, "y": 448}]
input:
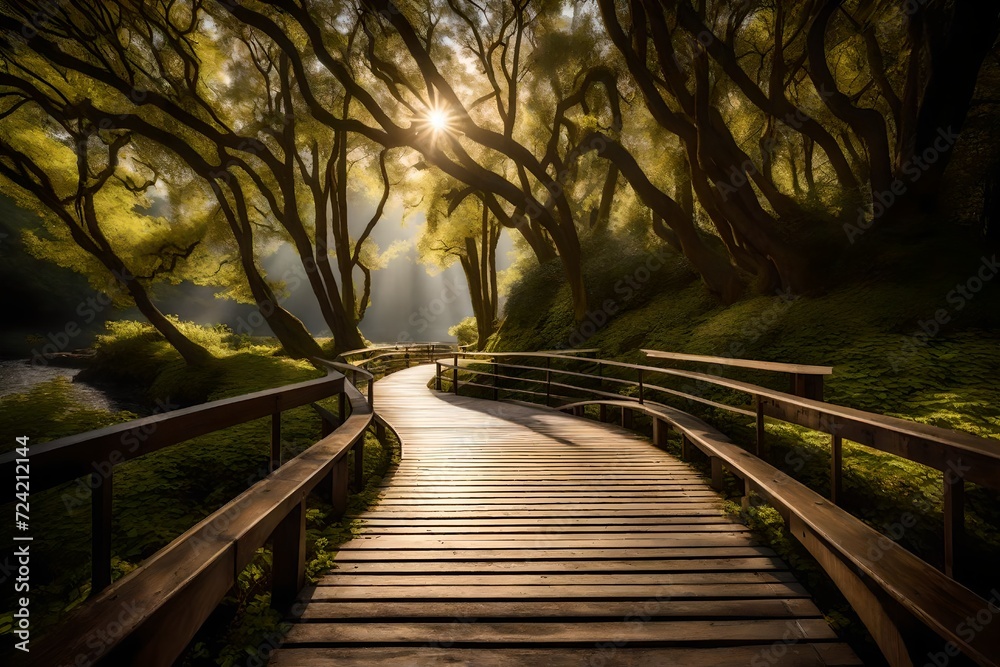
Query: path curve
[{"x": 512, "y": 535}]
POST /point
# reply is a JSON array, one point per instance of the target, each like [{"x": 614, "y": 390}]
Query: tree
[
  {"x": 237, "y": 123},
  {"x": 769, "y": 62},
  {"x": 467, "y": 233},
  {"x": 74, "y": 177}
]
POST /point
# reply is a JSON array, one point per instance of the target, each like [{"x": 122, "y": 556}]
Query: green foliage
[{"x": 465, "y": 331}]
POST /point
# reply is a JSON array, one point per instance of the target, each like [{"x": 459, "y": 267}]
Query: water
[{"x": 19, "y": 375}]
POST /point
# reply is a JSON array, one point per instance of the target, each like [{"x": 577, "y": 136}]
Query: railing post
[
  {"x": 717, "y": 482},
  {"x": 359, "y": 463},
  {"x": 807, "y": 385},
  {"x": 275, "y": 442},
  {"x": 761, "y": 444},
  {"x": 454, "y": 376},
  {"x": 548, "y": 380},
  {"x": 685, "y": 447},
  {"x": 954, "y": 519},
  {"x": 406, "y": 358},
  {"x": 659, "y": 432},
  {"x": 371, "y": 392},
  {"x": 626, "y": 417},
  {"x": 496, "y": 382},
  {"x": 603, "y": 412},
  {"x": 640, "y": 387},
  {"x": 339, "y": 487},
  {"x": 836, "y": 469},
  {"x": 102, "y": 490},
  {"x": 342, "y": 407},
  {"x": 437, "y": 375},
  {"x": 326, "y": 427},
  {"x": 288, "y": 559}
]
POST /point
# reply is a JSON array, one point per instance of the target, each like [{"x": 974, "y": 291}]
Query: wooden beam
[
  {"x": 836, "y": 469},
  {"x": 275, "y": 442},
  {"x": 288, "y": 559},
  {"x": 359, "y": 464},
  {"x": 102, "y": 492},
  {"x": 761, "y": 443},
  {"x": 742, "y": 363},
  {"x": 717, "y": 480},
  {"x": 339, "y": 487},
  {"x": 954, "y": 521}
]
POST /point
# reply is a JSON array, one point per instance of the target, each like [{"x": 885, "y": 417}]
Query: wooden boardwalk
[{"x": 512, "y": 535}]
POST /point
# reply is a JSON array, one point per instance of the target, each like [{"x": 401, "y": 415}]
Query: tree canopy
[{"x": 171, "y": 141}]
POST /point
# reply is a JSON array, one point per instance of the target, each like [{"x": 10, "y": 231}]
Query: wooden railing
[
  {"x": 804, "y": 380},
  {"x": 894, "y": 593},
  {"x": 390, "y": 357},
  {"x": 148, "y": 616}
]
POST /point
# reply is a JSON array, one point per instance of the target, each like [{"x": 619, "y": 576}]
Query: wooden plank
[
  {"x": 791, "y": 655},
  {"x": 675, "y": 632},
  {"x": 728, "y": 564},
  {"x": 344, "y": 578},
  {"x": 643, "y": 541},
  {"x": 582, "y": 609},
  {"x": 556, "y": 532},
  {"x": 553, "y": 554},
  {"x": 590, "y": 592}
]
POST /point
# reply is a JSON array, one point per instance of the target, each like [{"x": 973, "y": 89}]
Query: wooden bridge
[{"x": 517, "y": 534}]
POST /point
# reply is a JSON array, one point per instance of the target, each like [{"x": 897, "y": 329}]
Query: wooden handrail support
[
  {"x": 877, "y": 576},
  {"x": 148, "y": 616},
  {"x": 805, "y": 380}
]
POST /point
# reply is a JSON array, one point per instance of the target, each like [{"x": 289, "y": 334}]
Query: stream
[{"x": 19, "y": 375}]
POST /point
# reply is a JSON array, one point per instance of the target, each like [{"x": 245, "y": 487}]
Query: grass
[{"x": 160, "y": 495}]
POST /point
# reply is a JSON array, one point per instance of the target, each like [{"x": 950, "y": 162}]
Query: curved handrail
[
  {"x": 775, "y": 366},
  {"x": 399, "y": 346},
  {"x": 65, "y": 459},
  {"x": 959, "y": 449},
  {"x": 833, "y": 535},
  {"x": 910, "y": 581},
  {"x": 157, "y": 608}
]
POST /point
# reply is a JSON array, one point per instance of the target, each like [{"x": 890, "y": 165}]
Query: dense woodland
[{"x": 165, "y": 142}]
